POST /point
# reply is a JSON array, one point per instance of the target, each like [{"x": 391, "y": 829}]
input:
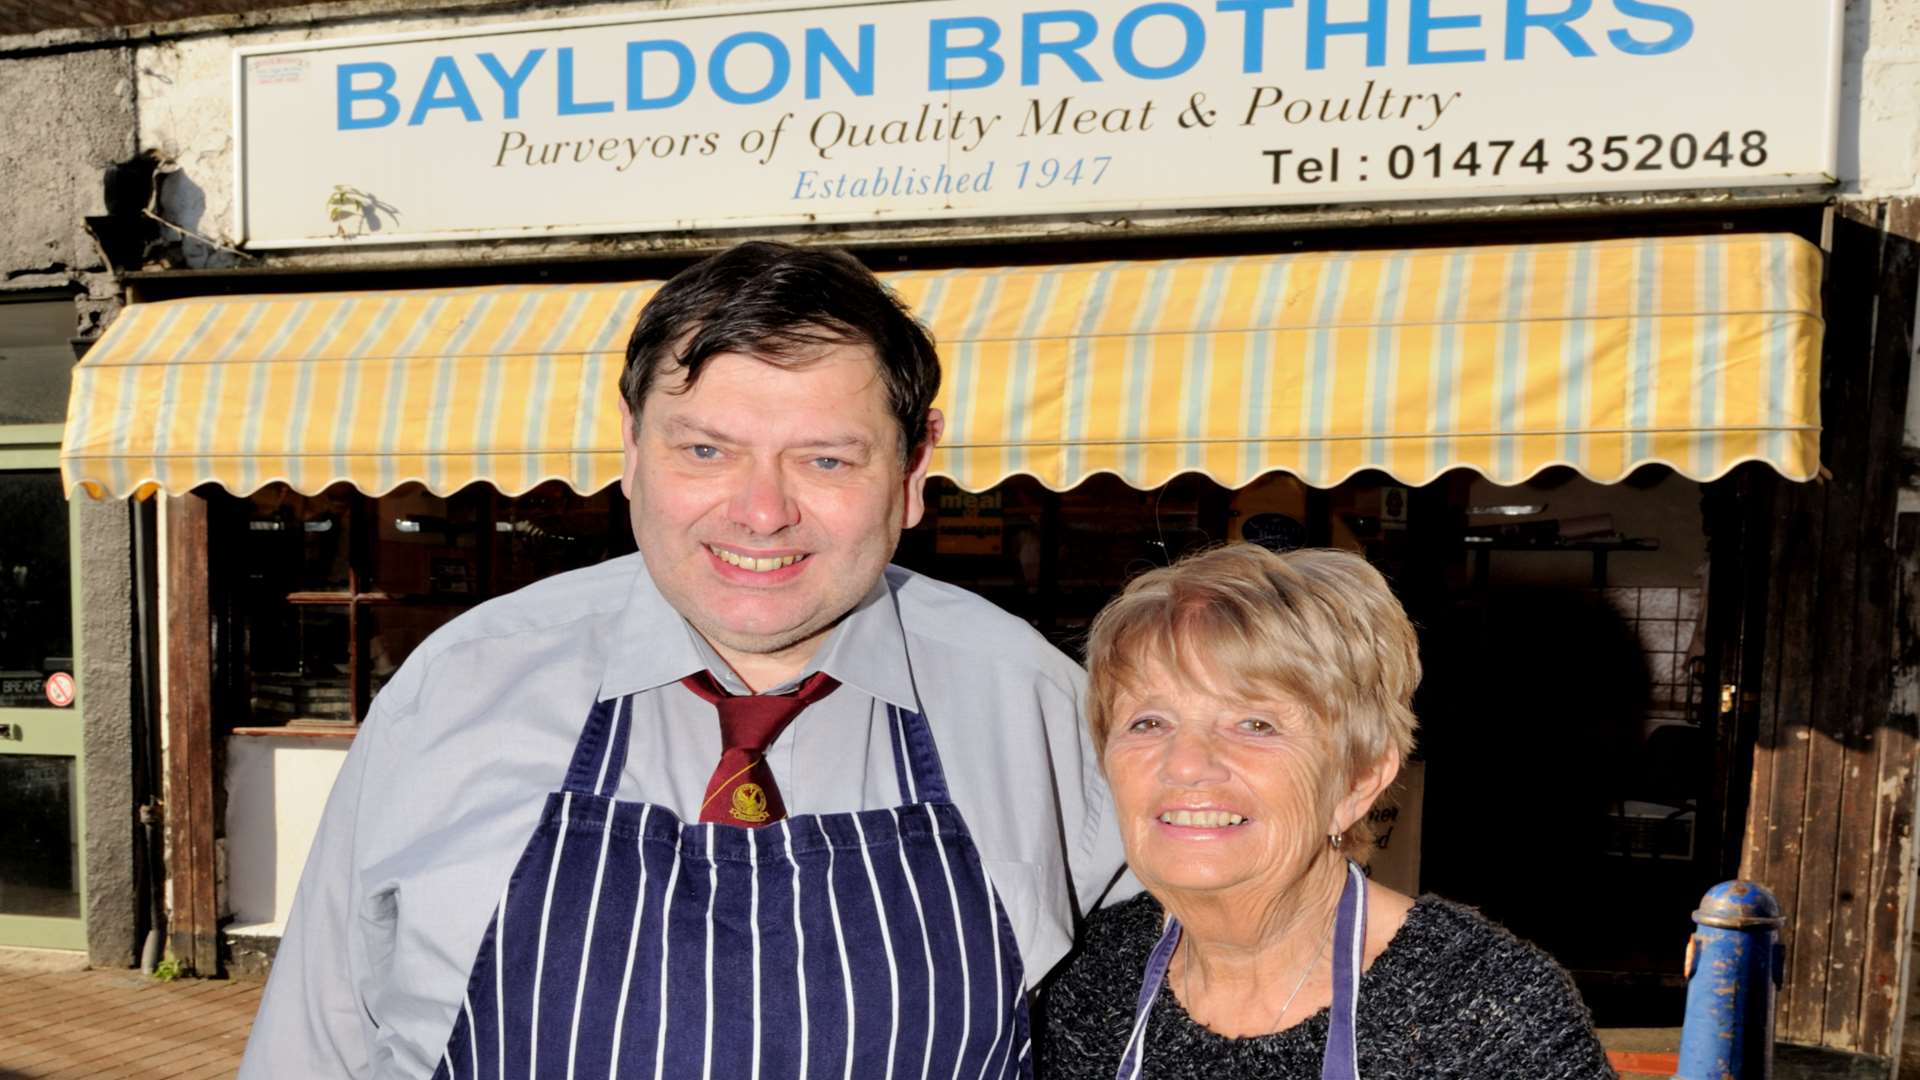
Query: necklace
[{"x": 1186, "y": 978}]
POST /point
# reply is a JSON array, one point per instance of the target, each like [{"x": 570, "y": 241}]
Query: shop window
[
  {"x": 332, "y": 592},
  {"x": 1055, "y": 558},
  {"x": 36, "y": 612},
  {"x": 36, "y": 360}
]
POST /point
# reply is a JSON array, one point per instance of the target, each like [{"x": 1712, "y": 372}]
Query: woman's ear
[{"x": 1367, "y": 786}]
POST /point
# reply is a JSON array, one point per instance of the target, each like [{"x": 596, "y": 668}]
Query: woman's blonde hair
[{"x": 1318, "y": 626}]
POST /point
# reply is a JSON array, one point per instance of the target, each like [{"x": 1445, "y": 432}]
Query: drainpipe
[{"x": 147, "y": 769}]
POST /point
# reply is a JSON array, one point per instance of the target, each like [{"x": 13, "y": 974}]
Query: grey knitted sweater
[{"x": 1452, "y": 995}]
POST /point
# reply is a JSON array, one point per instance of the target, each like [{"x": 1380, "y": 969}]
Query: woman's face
[{"x": 1216, "y": 795}]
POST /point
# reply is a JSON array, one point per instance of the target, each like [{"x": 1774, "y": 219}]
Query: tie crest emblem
[
  {"x": 749, "y": 804},
  {"x": 742, "y": 790}
]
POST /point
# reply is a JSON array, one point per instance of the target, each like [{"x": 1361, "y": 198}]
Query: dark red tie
[{"x": 742, "y": 791}]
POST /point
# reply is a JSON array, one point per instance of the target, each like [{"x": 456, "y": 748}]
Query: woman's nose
[
  {"x": 1192, "y": 757},
  {"x": 763, "y": 504}
]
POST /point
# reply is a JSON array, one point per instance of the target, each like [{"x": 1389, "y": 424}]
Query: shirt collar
[
  {"x": 655, "y": 645},
  {"x": 868, "y": 650}
]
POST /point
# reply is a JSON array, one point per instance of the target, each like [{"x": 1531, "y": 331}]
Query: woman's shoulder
[
  {"x": 1444, "y": 944},
  {"x": 1086, "y": 1005},
  {"x": 1106, "y": 965},
  {"x": 1138, "y": 916},
  {"x": 1463, "y": 980},
  {"x": 1119, "y": 935}
]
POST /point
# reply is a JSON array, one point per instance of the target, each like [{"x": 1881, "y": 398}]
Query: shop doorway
[
  {"x": 42, "y": 873},
  {"x": 1575, "y": 788}
]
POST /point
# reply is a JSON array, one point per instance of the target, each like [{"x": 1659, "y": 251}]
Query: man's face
[{"x": 768, "y": 498}]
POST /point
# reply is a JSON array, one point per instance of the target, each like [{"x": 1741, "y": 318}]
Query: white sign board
[{"x": 731, "y": 117}]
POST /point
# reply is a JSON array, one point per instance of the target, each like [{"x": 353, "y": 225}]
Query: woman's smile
[{"x": 1201, "y": 818}]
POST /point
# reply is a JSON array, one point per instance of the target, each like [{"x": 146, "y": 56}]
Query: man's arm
[
  {"x": 312, "y": 1022},
  {"x": 1095, "y": 852}
]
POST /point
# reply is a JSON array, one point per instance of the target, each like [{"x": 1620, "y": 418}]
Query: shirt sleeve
[
  {"x": 1098, "y": 858},
  {"x": 312, "y": 1021}
]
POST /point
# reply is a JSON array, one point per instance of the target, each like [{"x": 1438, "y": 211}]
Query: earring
[{"x": 1336, "y": 840}]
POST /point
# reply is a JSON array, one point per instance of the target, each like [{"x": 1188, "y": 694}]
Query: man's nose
[
  {"x": 763, "y": 502},
  {"x": 1193, "y": 757}
]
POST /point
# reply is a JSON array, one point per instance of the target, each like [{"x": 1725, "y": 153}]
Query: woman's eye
[
  {"x": 1258, "y": 726},
  {"x": 1146, "y": 723}
]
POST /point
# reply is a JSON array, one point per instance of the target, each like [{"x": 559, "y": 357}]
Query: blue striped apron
[
  {"x": 629, "y": 943},
  {"x": 1341, "y": 1061}
]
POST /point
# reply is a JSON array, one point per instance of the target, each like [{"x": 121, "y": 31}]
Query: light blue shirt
[{"x": 447, "y": 777}]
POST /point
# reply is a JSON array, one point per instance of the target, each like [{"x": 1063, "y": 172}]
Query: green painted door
[{"x": 42, "y": 784}]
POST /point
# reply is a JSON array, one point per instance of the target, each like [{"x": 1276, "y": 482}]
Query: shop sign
[
  {"x": 731, "y": 117},
  {"x": 969, "y": 523},
  {"x": 1395, "y": 820},
  {"x": 22, "y": 689}
]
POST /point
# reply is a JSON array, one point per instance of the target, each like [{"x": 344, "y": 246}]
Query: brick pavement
[{"x": 120, "y": 1025}]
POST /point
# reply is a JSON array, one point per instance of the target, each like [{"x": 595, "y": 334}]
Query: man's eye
[
  {"x": 828, "y": 464},
  {"x": 704, "y": 452}
]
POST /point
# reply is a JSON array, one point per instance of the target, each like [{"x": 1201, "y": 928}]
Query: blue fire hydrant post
[{"x": 1734, "y": 965}]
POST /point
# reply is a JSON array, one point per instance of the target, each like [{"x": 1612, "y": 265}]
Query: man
[{"x": 751, "y": 803}]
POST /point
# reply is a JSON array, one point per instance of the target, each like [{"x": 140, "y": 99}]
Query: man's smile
[{"x": 758, "y": 564}]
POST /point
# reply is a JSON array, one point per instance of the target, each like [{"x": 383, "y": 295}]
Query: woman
[{"x": 1248, "y": 709}]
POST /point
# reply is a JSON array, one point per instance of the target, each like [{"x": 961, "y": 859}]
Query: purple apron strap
[
  {"x": 1342, "y": 1059},
  {"x": 1134, "y": 1058}
]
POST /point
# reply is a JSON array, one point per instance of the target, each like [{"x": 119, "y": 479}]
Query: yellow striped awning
[{"x": 1698, "y": 353}]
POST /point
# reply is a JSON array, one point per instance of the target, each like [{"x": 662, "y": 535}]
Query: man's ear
[
  {"x": 1366, "y": 787},
  {"x": 629, "y": 449},
  {"x": 916, "y": 501}
]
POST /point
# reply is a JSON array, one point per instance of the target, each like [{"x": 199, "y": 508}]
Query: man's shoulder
[
  {"x": 566, "y": 603},
  {"x": 969, "y": 626},
  {"x": 547, "y": 604}
]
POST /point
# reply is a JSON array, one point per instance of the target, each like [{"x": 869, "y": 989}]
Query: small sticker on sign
[
  {"x": 279, "y": 70},
  {"x": 60, "y": 689}
]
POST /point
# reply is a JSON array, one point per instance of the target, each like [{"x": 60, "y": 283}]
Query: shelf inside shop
[
  {"x": 341, "y": 599},
  {"x": 1474, "y": 543},
  {"x": 303, "y": 698},
  {"x": 301, "y": 729}
]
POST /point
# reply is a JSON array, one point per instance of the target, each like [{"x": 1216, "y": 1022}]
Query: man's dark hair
[{"x": 778, "y": 303}]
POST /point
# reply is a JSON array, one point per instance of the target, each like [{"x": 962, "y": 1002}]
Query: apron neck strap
[
  {"x": 1342, "y": 1059},
  {"x": 1134, "y": 1058},
  {"x": 916, "y": 761},
  {"x": 601, "y": 753}
]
